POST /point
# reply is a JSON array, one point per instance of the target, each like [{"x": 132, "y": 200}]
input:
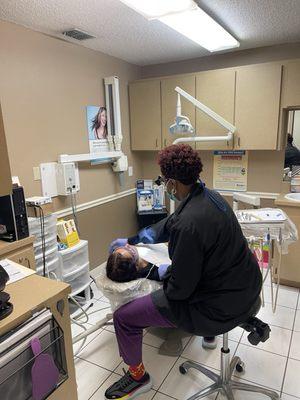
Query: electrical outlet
[
  {"x": 130, "y": 171},
  {"x": 36, "y": 173}
]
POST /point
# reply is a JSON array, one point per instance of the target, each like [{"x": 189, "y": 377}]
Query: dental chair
[{"x": 223, "y": 383}]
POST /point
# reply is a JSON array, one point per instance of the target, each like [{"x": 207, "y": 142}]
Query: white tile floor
[{"x": 274, "y": 364}]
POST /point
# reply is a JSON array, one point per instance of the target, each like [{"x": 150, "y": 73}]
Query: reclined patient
[{"x": 125, "y": 265}]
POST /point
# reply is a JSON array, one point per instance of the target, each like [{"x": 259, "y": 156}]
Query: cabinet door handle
[
  {"x": 239, "y": 141},
  {"x": 156, "y": 143},
  {"x": 24, "y": 261}
]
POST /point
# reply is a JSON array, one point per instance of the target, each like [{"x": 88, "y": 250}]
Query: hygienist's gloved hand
[
  {"x": 117, "y": 243},
  {"x": 162, "y": 269}
]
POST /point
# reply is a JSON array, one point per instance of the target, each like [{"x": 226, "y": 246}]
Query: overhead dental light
[
  {"x": 187, "y": 18},
  {"x": 183, "y": 126}
]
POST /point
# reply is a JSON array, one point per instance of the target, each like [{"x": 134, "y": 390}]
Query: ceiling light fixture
[{"x": 185, "y": 17}]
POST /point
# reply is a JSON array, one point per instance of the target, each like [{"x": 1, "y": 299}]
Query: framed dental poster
[
  {"x": 230, "y": 171},
  {"x": 97, "y": 128}
]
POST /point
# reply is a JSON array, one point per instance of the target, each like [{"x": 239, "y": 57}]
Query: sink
[{"x": 293, "y": 196}]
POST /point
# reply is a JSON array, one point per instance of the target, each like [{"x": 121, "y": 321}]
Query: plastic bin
[
  {"x": 78, "y": 279},
  {"x": 35, "y": 225},
  {"x": 50, "y": 255},
  {"x": 74, "y": 257},
  {"x": 50, "y": 243},
  {"x": 53, "y": 269}
]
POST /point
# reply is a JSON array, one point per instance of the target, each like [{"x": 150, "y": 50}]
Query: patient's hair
[
  {"x": 180, "y": 162},
  {"x": 120, "y": 268}
]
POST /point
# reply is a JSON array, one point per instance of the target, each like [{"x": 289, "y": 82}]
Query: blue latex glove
[
  {"x": 162, "y": 269},
  {"x": 117, "y": 243}
]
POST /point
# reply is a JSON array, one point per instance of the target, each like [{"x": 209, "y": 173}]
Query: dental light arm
[
  {"x": 183, "y": 125},
  {"x": 212, "y": 114}
]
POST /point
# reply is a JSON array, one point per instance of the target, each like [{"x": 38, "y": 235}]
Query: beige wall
[
  {"x": 100, "y": 225},
  {"x": 264, "y": 174},
  {"x": 232, "y": 59},
  {"x": 45, "y": 84}
]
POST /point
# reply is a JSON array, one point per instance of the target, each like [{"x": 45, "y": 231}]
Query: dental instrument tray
[
  {"x": 261, "y": 216},
  {"x": 17, "y": 358},
  {"x": 268, "y": 222}
]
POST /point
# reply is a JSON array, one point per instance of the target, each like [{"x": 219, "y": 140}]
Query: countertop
[
  {"x": 8, "y": 247},
  {"x": 282, "y": 201},
  {"x": 30, "y": 294}
]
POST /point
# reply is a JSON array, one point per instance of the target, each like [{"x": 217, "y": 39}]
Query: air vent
[{"x": 78, "y": 35}]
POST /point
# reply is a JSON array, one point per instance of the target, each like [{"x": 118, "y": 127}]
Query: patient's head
[{"x": 122, "y": 264}]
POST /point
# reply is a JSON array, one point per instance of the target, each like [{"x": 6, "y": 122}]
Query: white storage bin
[
  {"x": 49, "y": 225},
  {"x": 74, "y": 257},
  {"x": 50, "y": 243},
  {"x": 79, "y": 279},
  {"x": 53, "y": 269},
  {"x": 50, "y": 231},
  {"x": 50, "y": 255}
]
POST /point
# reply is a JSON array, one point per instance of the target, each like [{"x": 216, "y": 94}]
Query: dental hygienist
[{"x": 212, "y": 282}]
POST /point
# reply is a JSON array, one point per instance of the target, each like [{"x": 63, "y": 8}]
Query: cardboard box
[{"x": 67, "y": 232}]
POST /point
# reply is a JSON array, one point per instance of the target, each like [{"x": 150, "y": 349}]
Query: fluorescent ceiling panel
[
  {"x": 185, "y": 17},
  {"x": 153, "y": 9},
  {"x": 202, "y": 29}
]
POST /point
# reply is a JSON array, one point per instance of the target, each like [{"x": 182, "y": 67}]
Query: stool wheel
[
  {"x": 240, "y": 367},
  {"x": 182, "y": 370}
]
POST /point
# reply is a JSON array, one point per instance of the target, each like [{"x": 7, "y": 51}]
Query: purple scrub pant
[{"x": 129, "y": 322}]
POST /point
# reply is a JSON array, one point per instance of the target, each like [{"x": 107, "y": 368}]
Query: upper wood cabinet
[
  {"x": 250, "y": 97},
  {"x": 216, "y": 90},
  {"x": 145, "y": 115},
  {"x": 5, "y": 174},
  {"x": 257, "y": 106},
  {"x": 169, "y": 101},
  {"x": 291, "y": 84}
]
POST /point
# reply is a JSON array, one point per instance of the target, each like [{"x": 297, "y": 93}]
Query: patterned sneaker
[
  {"x": 209, "y": 342},
  {"x": 128, "y": 388}
]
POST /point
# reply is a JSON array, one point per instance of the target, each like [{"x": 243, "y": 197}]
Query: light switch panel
[{"x": 36, "y": 173}]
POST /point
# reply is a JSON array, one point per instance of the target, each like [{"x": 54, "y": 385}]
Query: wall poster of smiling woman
[{"x": 97, "y": 128}]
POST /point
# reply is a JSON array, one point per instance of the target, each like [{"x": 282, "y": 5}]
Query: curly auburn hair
[{"x": 180, "y": 162}]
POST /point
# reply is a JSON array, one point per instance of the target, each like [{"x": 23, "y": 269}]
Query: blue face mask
[{"x": 170, "y": 195}]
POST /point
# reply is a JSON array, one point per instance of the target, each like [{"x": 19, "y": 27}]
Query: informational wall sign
[{"x": 230, "y": 170}]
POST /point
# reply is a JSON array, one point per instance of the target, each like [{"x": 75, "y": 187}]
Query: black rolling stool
[{"x": 259, "y": 332}]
